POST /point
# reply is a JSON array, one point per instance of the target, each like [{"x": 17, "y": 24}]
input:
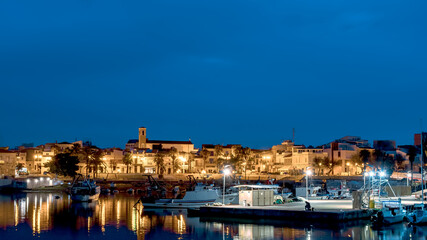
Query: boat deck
[{"x": 284, "y": 213}]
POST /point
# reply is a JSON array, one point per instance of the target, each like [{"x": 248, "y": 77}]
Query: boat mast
[{"x": 422, "y": 166}]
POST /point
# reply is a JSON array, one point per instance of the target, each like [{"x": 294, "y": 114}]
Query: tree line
[{"x": 66, "y": 162}]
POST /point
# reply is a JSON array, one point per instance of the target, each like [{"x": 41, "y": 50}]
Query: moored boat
[
  {"x": 201, "y": 195},
  {"x": 391, "y": 212},
  {"x": 418, "y": 215},
  {"x": 84, "y": 189}
]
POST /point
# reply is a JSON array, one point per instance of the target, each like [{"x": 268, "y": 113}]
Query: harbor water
[{"x": 55, "y": 216}]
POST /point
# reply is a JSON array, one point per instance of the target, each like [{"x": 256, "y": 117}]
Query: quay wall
[{"x": 250, "y": 212}]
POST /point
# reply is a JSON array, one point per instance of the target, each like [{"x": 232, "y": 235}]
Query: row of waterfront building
[{"x": 339, "y": 157}]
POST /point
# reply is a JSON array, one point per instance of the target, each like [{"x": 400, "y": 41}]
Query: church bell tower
[{"x": 142, "y": 140}]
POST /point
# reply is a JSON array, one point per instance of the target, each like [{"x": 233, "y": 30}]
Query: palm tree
[
  {"x": 399, "y": 160},
  {"x": 205, "y": 155},
  {"x": 331, "y": 164},
  {"x": 379, "y": 158},
  {"x": 319, "y": 163},
  {"x": 227, "y": 157},
  {"x": 364, "y": 155},
  {"x": 173, "y": 153},
  {"x": 160, "y": 162},
  {"x": 218, "y": 152},
  {"x": 91, "y": 155},
  {"x": 56, "y": 149},
  {"x": 389, "y": 163},
  {"x": 412, "y": 154},
  {"x": 127, "y": 160},
  {"x": 96, "y": 160},
  {"x": 248, "y": 159},
  {"x": 355, "y": 159},
  {"x": 75, "y": 149},
  {"x": 85, "y": 155},
  {"x": 237, "y": 157}
]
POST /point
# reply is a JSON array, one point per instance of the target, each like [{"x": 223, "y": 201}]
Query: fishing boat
[
  {"x": 312, "y": 193},
  {"x": 391, "y": 212},
  {"x": 418, "y": 215},
  {"x": 84, "y": 190},
  {"x": 201, "y": 195},
  {"x": 339, "y": 193}
]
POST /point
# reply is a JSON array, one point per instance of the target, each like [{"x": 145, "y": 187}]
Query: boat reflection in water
[{"x": 52, "y": 215}]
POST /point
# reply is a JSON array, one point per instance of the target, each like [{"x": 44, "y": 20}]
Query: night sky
[{"x": 217, "y": 71}]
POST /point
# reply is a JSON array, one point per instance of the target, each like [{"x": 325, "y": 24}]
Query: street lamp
[
  {"x": 408, "y": 175},
  {"x": 382, "y": 174},
  {"x": 307, "y": 174},
  {"x": 371, "y": 174},
  {"x": 226, "y": 171},
  {"x": 364, "y": 179}
]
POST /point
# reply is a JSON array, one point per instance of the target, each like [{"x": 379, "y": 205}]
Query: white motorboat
[
  {"x": 84, "y": 190},
  {"x": 418, "y": 215},
  {"x": 313, "y": 193},
  {"x": 339, "y": 193},
  {"x": 201, "y": 195},
  {"x": 391, "y": 212}
]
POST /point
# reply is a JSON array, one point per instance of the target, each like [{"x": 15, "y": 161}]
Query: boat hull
[
  {"x": 418, "y": 218},
  {"x": 200, "y": 196},
  {"x": 176, "y": 204},
  {"x": 394, "y": 219},
  {"x": 232, "y": 198},
  {"x": 84, "y": 198},
  {"x": 77, "y": 196}
]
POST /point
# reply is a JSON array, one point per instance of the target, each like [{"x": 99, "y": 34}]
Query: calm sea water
[{"x": 54, "y": 216}]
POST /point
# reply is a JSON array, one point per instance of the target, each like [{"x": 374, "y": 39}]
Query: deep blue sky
[{"x": 216, "y": 71}]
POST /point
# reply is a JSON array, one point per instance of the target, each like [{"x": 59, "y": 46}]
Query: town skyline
[
  {"x": 197, "y": 144},
  {"x": 346, "y": 155}
]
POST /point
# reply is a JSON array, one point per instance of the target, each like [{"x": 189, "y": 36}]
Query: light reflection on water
[{"x": 53, "y": 215}]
